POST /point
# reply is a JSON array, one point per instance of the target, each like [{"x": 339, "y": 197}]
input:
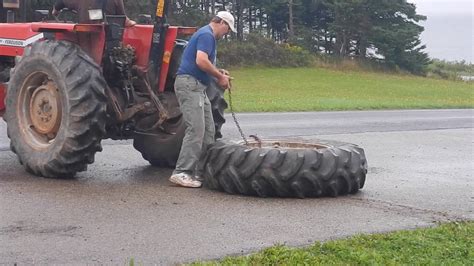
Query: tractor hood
[{"x": 15, "y": 37}]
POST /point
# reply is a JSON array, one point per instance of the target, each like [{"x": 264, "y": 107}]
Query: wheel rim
[
  {"x": 39, "y": 110},
  {"x": 278, "y": 144}
]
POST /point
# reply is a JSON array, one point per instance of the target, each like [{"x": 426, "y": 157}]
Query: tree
[
  {"x": 291, "y": 27},
  {"x": 395, "y": 34}
]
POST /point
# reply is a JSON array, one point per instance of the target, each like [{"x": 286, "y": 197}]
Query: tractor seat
[{"x": 118, "y": 20}]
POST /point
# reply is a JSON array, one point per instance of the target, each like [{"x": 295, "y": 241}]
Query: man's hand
[
  {"x": 225, "y": 72},
  {"x": 224, "y": 81},
  {"x": 130, "y": 23}
]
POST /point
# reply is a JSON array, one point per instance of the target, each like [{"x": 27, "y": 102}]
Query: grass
[
  {"x": 318, "y": 89},
  {"x": 447, "y": 244}
]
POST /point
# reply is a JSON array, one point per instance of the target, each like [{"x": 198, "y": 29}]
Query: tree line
[
  {"x": 382, "y": 30},
  {"x": 385, "y": 31}
]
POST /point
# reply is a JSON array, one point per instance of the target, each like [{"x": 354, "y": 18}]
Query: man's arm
[
  {"x": 206, "y": 46},
  {"x": 203, "y": 62}
]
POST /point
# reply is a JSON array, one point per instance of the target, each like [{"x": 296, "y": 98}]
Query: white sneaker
[
  {"x": 185, "y": 180},
  {"x": 199, "y": 178}
]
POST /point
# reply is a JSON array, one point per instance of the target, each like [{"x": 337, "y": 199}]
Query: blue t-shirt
[{"x": 202, "y": 40}]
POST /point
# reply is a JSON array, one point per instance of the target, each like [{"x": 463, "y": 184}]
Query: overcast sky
[
  {"x": 430, "y": 7},
  {"x": 449, "y": 29}
]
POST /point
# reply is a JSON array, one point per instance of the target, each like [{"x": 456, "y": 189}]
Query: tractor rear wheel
[
  {"x": 162, "y": 149},
  {"x": 215, "y": 94},
  {"x": 218, "y": 105},
  {"x": 286, "y": 169},
  {"x": 56, "y": 109}
]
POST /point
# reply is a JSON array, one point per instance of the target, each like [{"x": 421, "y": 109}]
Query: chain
[
  {"x": 235, "y": 118},
  {"x": 231, "y": 105}
]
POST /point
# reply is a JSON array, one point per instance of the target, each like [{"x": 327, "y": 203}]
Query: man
[
  {"x": 194, "y": 75},
  {"x": 112, "y": 7}
]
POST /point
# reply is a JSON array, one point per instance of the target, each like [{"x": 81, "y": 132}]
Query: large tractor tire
[
  {"x": 286, "y": 169},
  {"x": 56, "y": 109}
]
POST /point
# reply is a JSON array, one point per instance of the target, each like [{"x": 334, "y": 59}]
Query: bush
[
  {"x": 450, "y": 70},
  {"x": 260, "y": 51}
]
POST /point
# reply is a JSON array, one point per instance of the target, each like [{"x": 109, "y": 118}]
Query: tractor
[{"x": 66, "y": 86}]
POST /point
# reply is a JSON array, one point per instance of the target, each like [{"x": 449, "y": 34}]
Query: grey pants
[{"x": 197, "y": 115}]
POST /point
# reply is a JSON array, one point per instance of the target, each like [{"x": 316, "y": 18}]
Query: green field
[
  {"x": 448, "y": 244},
  {"x": 317, "y": 89}
]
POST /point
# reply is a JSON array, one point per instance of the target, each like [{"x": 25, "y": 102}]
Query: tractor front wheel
[{"x": 55, "y": 109}]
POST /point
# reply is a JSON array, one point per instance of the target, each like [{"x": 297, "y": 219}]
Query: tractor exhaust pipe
[{"x": 158, "y": 41}]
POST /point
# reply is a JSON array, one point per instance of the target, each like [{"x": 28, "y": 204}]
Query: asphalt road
[{"x": 421, "y": 166}]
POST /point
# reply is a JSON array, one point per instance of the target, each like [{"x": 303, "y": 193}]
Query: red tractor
[
  {"x": 68, "y": 86},
  {"x": 64, "y": 87}
]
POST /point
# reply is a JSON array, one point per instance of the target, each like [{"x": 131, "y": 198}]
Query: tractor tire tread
[
  {"x": 85, "y": 116},
  {"x": 339, "y": 169}
]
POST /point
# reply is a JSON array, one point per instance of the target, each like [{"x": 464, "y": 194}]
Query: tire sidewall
[{"x": 28, "y": 65}]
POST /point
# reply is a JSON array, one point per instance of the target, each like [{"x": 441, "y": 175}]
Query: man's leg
[
  {"x": 209, "y": 137},
  {"x": 210, "y": 127},
  {"x": 191, "y": 99}
]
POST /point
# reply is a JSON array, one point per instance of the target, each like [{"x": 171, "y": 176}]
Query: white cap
[{"x": 227, "y": 17}]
